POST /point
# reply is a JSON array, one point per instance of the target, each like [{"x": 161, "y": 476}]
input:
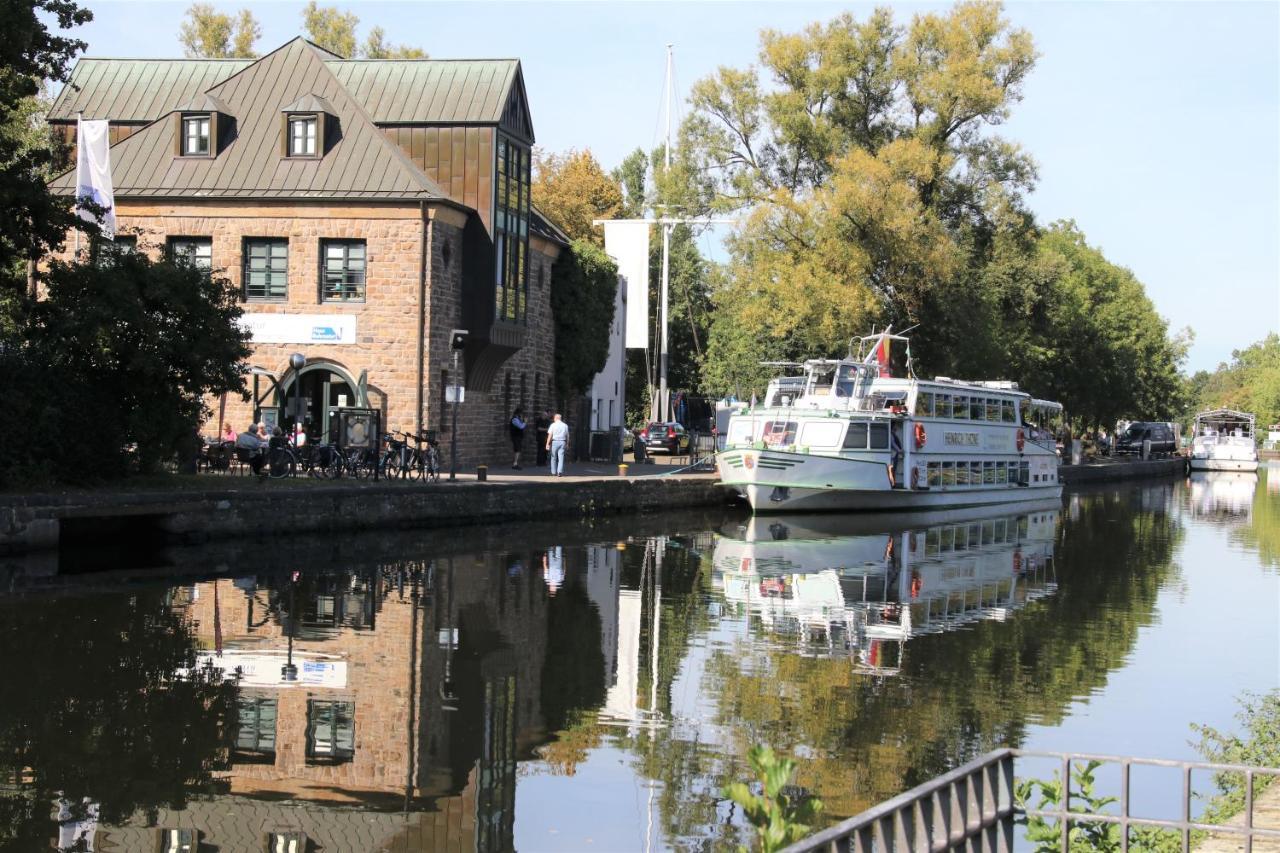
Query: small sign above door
[{"x": 301, "y": 328}]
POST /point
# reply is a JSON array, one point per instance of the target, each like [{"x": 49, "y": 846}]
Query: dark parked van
[{"x": 1159, "y": 434}]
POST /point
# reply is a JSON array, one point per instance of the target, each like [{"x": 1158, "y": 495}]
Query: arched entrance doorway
[{"x": 322, "y": 387}]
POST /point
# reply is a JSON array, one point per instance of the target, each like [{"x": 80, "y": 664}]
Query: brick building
[{"x": 364, "y": 208}]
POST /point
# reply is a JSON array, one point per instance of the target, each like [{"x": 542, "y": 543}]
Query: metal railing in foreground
[{"x": 974, "y": 808}]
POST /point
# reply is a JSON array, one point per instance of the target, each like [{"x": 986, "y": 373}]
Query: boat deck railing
[{"x": 976, "y": 807}]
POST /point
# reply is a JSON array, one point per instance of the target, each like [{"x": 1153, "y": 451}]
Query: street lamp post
[
  {"x": 297, "y": 361},
  {"x": 457, "y": 342}
]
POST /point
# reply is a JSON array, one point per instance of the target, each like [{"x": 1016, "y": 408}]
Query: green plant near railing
[
  {"x": 1259, "y": 746},
  {"x": 780, "y": 817},
  {"x": 1083, "y": 837}
]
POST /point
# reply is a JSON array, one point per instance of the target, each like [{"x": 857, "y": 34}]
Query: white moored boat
[
  {"x": 1224, "y": 441},
  {"x": 849, "y": 436}
]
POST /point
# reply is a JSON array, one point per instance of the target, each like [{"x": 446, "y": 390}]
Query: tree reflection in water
[
  {"x": 92, "y": 711},
  {"x": 865, "y": 738}
]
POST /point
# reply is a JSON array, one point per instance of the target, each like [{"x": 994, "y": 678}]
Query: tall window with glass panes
[{"x": 511, "y": 232}]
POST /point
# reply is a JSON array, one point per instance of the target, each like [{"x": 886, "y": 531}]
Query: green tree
[
  {"x": 572, "y": 190},
  {"x": 248, "y": 31},
  {"x": 32, "y": 220},
  {"x": 878, "y": 194},
  {"x": 331, "y": 29},
  {"x": 207, "y": 33},
  {"x": 114, "y": 338},
  {"x": 584, "y": 285},
  {"x": 376, "y": 46}
]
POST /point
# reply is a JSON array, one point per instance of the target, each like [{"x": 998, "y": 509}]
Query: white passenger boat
[
  {"x": 1224, "y": 440},
  {"x": 850, "y": 436}
]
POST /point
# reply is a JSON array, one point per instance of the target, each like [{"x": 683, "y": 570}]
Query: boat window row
[
  {"x": 963, "y": 537},
  {"x": 965, "y": 407},
  {"x": 829, "y": 434},
  {"x": 977, "y": 473}
]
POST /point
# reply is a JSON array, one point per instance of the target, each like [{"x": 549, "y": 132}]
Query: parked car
[
  {"x": 1159, "y": 434},
  {"x": 667, "y": 437}
]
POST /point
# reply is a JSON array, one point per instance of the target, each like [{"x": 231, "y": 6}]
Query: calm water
[{"x": 594, "y": 687}]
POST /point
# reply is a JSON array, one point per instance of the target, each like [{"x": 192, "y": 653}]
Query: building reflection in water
[
  {"x": 840, "y": 586},
  {"x": 407, "y": 692}
]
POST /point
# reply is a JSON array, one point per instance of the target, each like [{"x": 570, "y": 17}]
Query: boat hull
[
  {"x": 1218, "y": 464},
  {"x": 785, "y": 482}
]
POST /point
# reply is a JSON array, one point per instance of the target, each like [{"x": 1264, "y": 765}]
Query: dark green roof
[
  {"x": 413, "y": 91},
  {"x": 362, "y": 163}
]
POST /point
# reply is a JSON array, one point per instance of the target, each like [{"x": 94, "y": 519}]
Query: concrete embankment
[
  {"x": 1101, "y": 472},
  {"x": 30, "y": 523}
]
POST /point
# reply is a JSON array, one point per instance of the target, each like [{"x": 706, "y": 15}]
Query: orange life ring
[
  {"x": 920, "y": 435},
  {"x": 1022, "y": 440}
]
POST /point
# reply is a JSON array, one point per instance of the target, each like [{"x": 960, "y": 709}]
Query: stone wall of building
[
  {"x": 386, "y": 321},
  {"x": 526, "y": 379}
]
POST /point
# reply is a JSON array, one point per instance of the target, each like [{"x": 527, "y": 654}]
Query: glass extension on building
[{"x": 511, "y": 232}]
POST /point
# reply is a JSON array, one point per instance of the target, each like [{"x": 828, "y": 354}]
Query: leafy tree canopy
[
  {"x": 331, "y": 28},
  {"x": 376, "y": 46},
  {"x": 1250, "y": 382},
  {"x": 572, "y": 190},
  {"x": 873, "y": 191},
  {"x": 32, "y": 220},
  {"x": 114, "y": 339},
  {"x": 584, "y": 284},
  {"x": 209, "y": 34}
]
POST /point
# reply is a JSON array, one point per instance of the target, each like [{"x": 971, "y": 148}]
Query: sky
[{"x": 1156, "y": 126}]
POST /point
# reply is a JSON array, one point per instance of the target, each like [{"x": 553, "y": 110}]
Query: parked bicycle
[{"x": 419, "y": 462}]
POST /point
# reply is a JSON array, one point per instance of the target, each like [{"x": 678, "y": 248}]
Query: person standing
[
  {"x": 557, "y": 438},
  {"x": 517, "y": 427},
  {"x": 540, "y": 426}
]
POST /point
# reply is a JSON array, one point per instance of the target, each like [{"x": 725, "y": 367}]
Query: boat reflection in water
[
  {"x": 862, "y": 587},
  {"x": 1225, "y": 496}
]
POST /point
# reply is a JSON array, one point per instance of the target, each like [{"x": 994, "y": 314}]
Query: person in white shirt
[{"x": 557, "y": 438}]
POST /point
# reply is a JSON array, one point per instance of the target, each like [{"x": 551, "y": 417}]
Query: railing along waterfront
[{"x": 974, "y": 808}]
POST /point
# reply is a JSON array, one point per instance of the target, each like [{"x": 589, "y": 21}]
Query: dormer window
[
  {"x": 195, "y": 135},
  {"x": 302, "y": 135},
  {"x": 201, "y": 127}
]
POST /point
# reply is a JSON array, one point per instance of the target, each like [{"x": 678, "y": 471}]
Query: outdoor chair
[{"x": 244, "y": 459}]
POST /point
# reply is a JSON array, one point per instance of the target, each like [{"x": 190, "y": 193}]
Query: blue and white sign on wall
[{"x": 301, "y": 328}]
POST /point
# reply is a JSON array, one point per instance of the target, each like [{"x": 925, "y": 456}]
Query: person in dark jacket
[
  {"x": 540, "y": 425},
  {"x": 516, "y": 427}
]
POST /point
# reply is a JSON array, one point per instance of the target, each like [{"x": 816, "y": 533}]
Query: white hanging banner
[
  {"x": 628, "y": 244},
  {"x": 93, "y": 173}
]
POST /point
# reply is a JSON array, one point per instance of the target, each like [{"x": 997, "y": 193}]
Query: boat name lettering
[{"x": 961, "y": 439}]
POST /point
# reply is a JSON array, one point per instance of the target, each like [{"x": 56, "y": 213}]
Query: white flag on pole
[
  {"x": 628, "y": 244},
  {"x": 93, "y": 173}
]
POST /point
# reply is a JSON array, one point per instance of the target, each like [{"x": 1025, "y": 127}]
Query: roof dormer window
[
  {"x": 302, "y": 135},
  {"x": 201, "y": 127},
  {"x": 195, "y": 135}
]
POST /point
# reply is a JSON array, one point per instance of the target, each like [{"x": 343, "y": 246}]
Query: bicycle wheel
[
  {"x": 390, "y": 465},
  {"x": 361, "y": 465},
  {"x": 433, "y": 465},
  {"x": 282, "y": 463},
  {"x": 333, "y": 464}
]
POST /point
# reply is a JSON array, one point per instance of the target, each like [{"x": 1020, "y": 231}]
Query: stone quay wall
[{"x": 30, "y": 523}]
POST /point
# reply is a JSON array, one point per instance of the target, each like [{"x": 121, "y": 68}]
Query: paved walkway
[{"x": 1266, "y": 815}]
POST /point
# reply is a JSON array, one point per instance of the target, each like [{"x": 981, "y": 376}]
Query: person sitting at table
[
  {"x": 249, "y": 440},
  {"x": 228, "y": 434},
  {"x": 263, "y": 436}
]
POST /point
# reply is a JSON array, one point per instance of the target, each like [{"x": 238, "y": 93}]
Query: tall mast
[{"x": 663, "y": 351}]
